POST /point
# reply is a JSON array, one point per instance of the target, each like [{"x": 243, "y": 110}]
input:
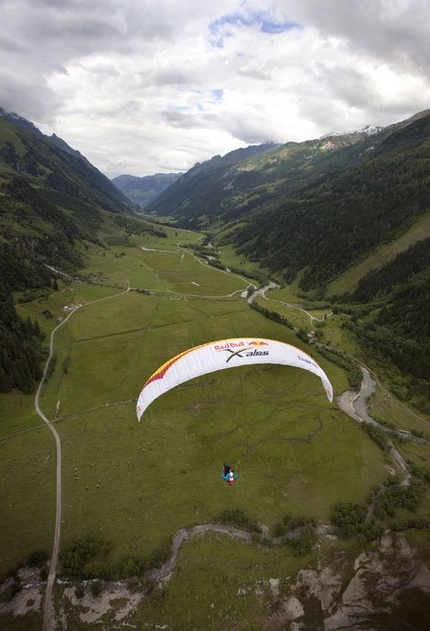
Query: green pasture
[
  {"x": 327, "y": 324},
  {"x": 111, "y": 231},
  {"x": 229, "y": 258},
  {"x": 174, "y": 270},
  {"x": 27, "y": 496},
  {"x": 112, "y": 266},
  {"x": 296, "y": 316},
  {"x": 387, "y": 407},
  {"x": 286, "y": 294},
  {"x": 173, "y": 237},
  {"x": 112, "y": 315},
  {"x": 196, "y": 282},
  {"x": 273, "y": 423},
  {"x": 283, "y": 302},
  {"x": 121, "y": 477},
  {"x": 417, "y": 453},
  {"x": 218, "y": 582},
  {"x": 17, "y": 413},
  {"x": 135, "y": 484},
  {"x": 57, "y": 305},
  {"x": 338, "y": 337}
]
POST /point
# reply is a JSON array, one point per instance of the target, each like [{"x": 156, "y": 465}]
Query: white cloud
[{"x": 142, "y": 86}]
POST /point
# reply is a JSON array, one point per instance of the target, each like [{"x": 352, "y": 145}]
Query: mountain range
[
  {"x": 347, "y": 194},
  {"x": 316, "y": 214},
  {"x": 143, "y": 190},
  {"x": 344, "y": 217}
]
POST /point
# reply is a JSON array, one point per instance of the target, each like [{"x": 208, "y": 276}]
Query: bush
[
  {"x": 290, "y": 523},
  {"x": 97, "y": 569},
  {"x": 7, "y": 595},
  {"x": 396, "y": 496},
  {"x": 419, "y": 472},
  {"x": 160, "y": 556},
  {"x": 37, "y": 558},
  {"x": 348, "y": 518},
  {"x": 371, "y": 530},
  {"x": 79, "y": 592},
  {"x": 235, "y": 517},
  {"x": 279, "y": 530},
  {"x": 304, "y": 542},
  {"x": 342, "y": 360},
  {"x": 134, "y": 566},
  {"x": 96, "y": 588},
  {"x": 74, "y": 558},
  {"x": 415, "y": 522},
  {"x": 377, "y": 435}
]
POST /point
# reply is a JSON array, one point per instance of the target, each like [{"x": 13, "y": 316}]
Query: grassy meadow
[{"x": 133, "y": 485}]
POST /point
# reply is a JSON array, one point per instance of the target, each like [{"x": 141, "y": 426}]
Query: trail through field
[
  {"x": 262, "y": 294},
  {"x": 48, "y": 615},
  {"x": 48, "y": 610},
  {"x": 204, "y": 263}
]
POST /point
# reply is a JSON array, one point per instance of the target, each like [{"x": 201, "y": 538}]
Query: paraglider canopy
[{"x": 223, "y": 354}]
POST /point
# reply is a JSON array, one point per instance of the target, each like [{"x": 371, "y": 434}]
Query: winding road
[
  {"x": 48, "y": 614},
  {"x": 48, "y": 609}
]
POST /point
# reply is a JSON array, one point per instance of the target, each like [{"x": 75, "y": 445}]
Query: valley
[
  {"x": 135, "y": 307},
  {"x": 110, "y": 523}
]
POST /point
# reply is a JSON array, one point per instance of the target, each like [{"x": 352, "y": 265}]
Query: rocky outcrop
[
  {"x": 380, "y": 579},
  {"x": 339, "y": 594}
]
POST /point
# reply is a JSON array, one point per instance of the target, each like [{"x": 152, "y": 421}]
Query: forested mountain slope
[
  {"x": 198, "y": 195},
  {"x": 52, "y": 202},
  {"x": 389, "y": 309},
  {"x": 51, "y": 165},
  {"x": 328, "y": 226}
]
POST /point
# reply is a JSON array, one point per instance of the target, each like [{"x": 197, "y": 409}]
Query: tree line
[{"x": 21, "y": 350}]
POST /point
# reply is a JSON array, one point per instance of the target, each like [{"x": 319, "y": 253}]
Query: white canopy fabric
[{"x": 222, "y": 354}]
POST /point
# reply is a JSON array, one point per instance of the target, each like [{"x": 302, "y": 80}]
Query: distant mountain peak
[
  {"x": 369, "y": 130},
  {"x": 143, "y": 190}
]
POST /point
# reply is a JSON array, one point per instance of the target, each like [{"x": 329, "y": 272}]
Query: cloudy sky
[{"x": 154, "y": 86}]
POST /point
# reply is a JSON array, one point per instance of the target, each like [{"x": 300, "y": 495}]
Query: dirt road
[
  {"x": 48, "y": 614},
  {"x": 48, "y": 610}
]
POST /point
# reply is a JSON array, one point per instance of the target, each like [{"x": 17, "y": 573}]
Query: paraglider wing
[{"x": 222, "y": 354}]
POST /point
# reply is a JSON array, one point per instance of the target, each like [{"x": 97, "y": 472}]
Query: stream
[{"x": 355, "y": 405}]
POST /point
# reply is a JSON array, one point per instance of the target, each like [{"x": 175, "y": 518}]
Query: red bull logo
[
  {"x": 239, "y": 344},
  {"x": 243, "y": 349},
  {"x": 223, "y": 347}
]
